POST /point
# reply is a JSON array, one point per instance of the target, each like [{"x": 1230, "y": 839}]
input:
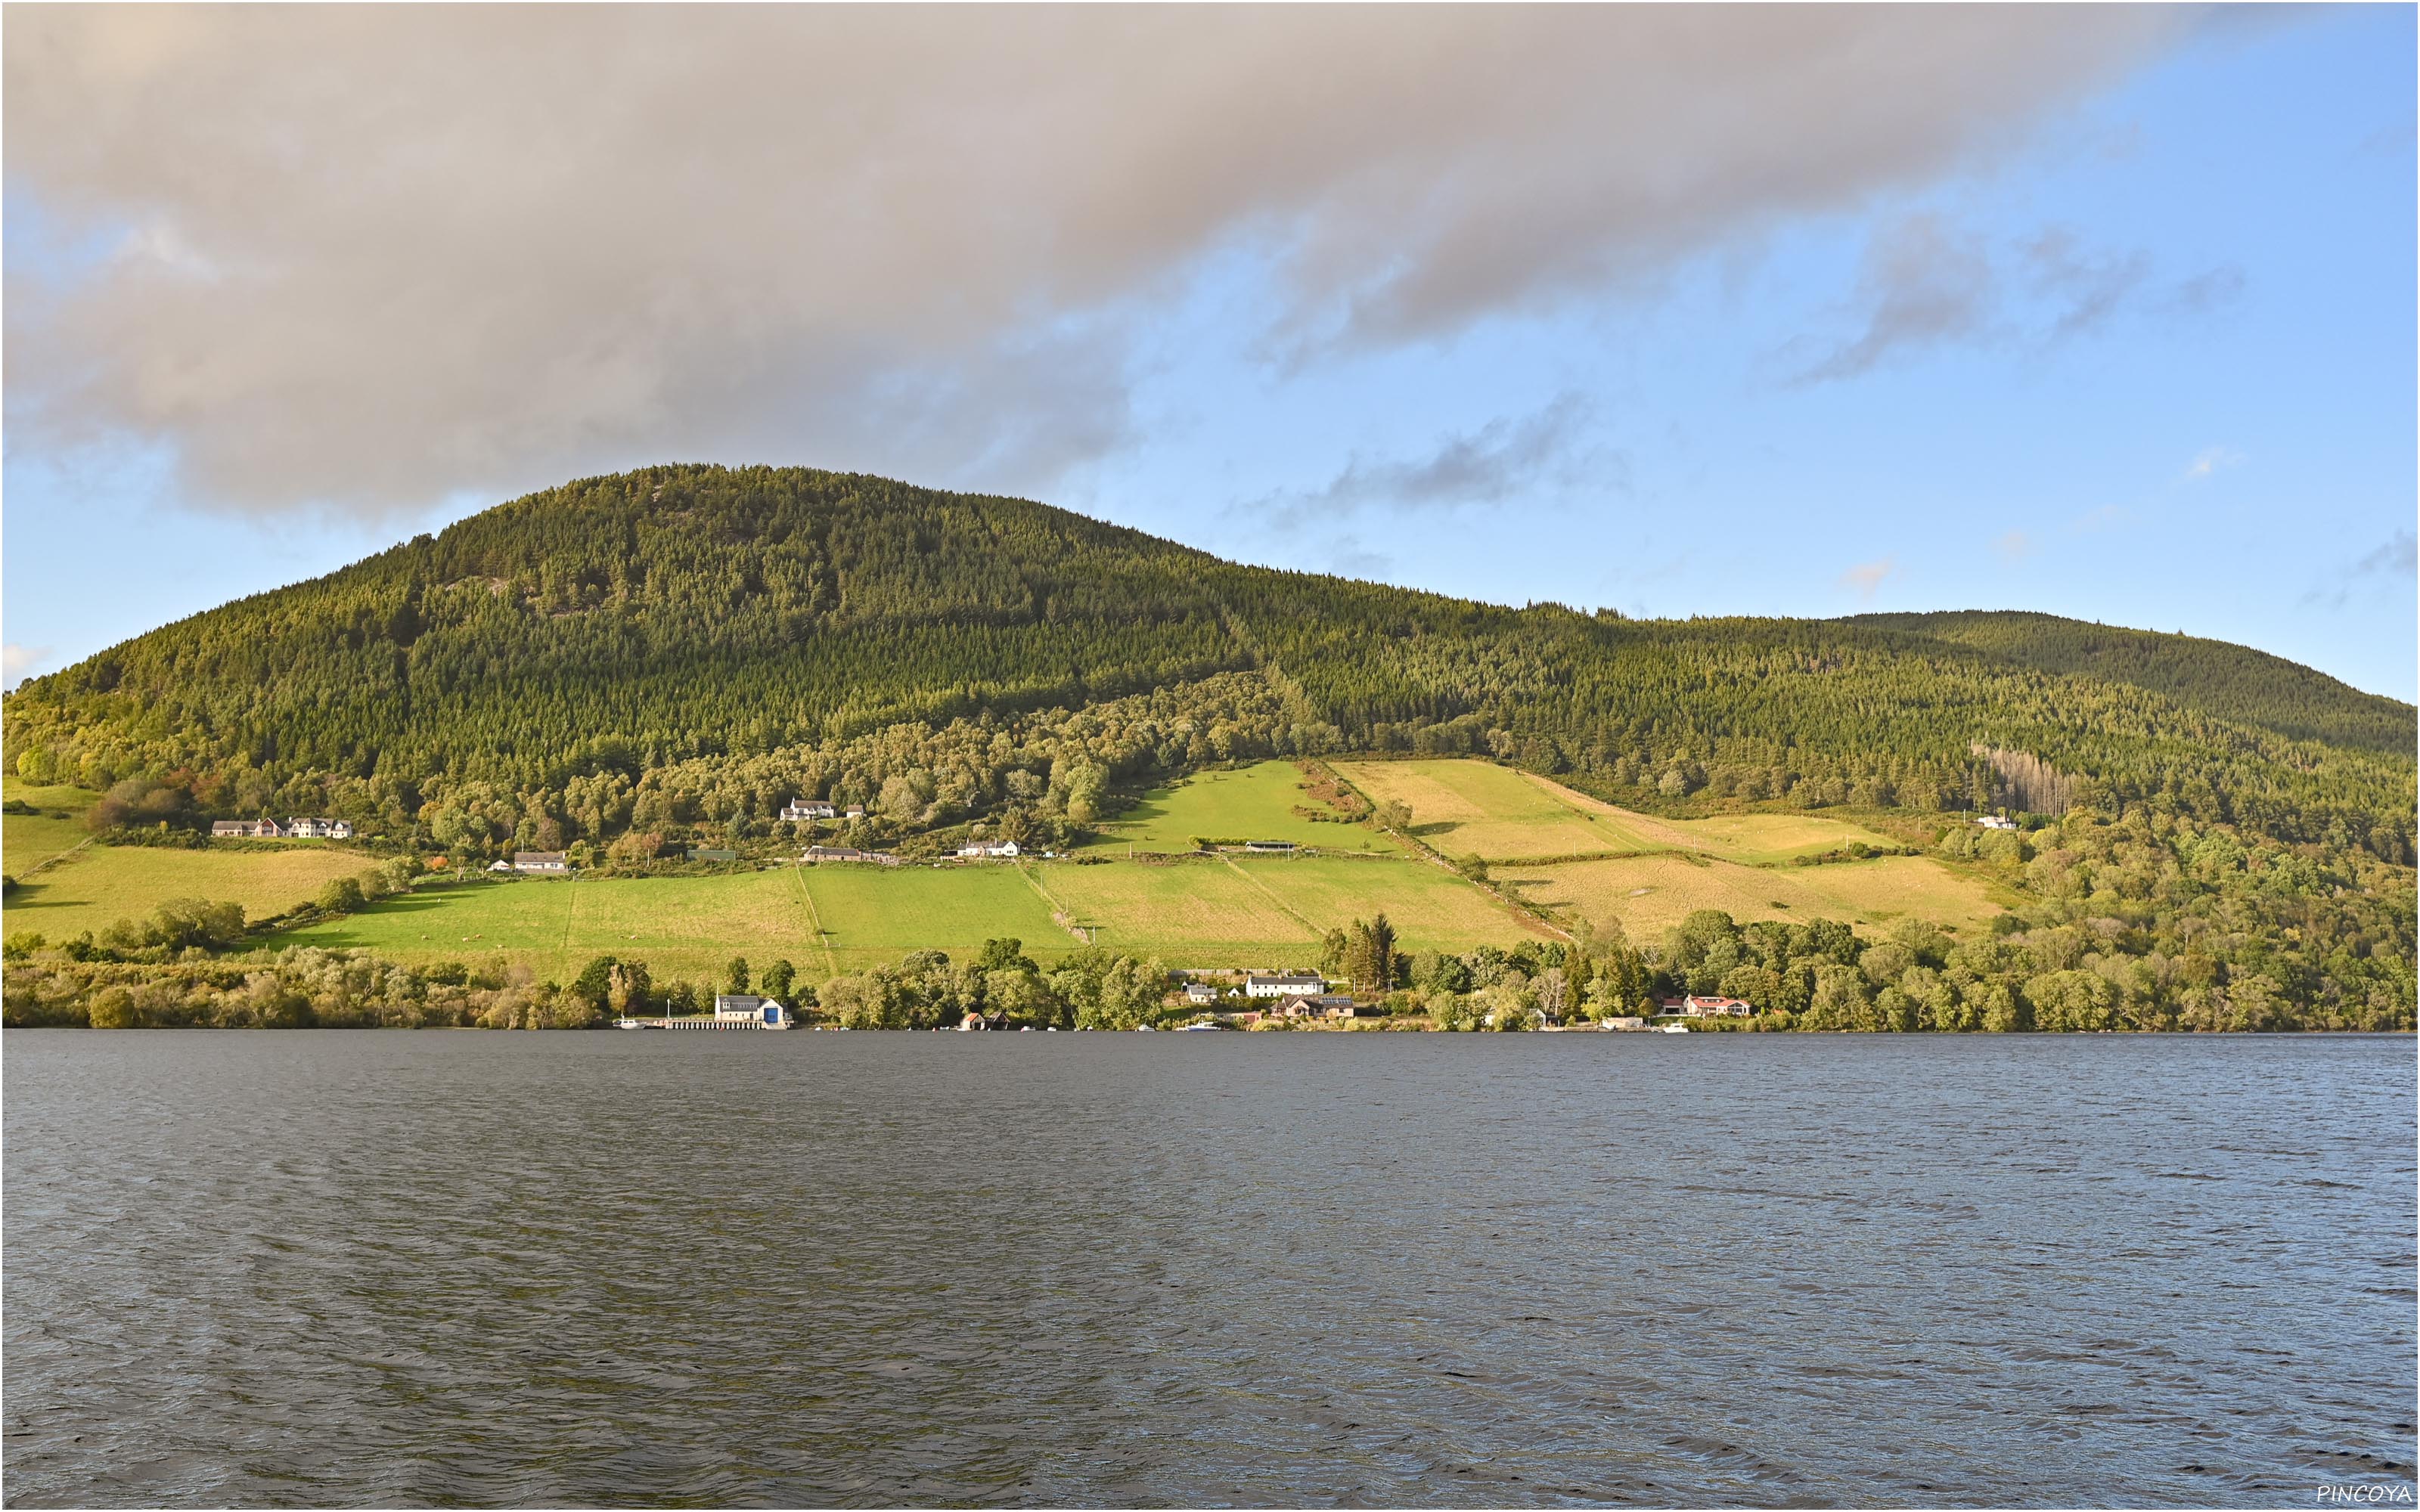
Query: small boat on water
[{"x": 1673, "y": 1028}]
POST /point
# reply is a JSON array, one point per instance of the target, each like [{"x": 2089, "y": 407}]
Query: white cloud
[
  {"x": 1506, "y": 458},
  {"x": 1924, "y": 283},
  {"x": 2394, "y": 561},
  {"x": 2212, "y": 462},
  {"x": 1866, "y": 578},
  {"x": 2014, "y": 547},
  {"x": 16, "y": 661},
  {"x": 374, "y": 256}
]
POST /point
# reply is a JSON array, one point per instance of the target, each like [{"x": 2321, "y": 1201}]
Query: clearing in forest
[{"x": 1256, "y": 802}]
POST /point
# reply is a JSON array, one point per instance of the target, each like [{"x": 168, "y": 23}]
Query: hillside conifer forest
[{"x": 2212, "y": 837}]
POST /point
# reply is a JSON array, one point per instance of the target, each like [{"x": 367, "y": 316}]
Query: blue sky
[{"x": 2146, "y": 356}]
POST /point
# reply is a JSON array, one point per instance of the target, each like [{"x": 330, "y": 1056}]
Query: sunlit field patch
[
  {"x": 102, "y": 884},
  {"x": 1649, "y": 894},
  {"x": 1469, "y": 807},
  {"x": 1255, "y": 802}
]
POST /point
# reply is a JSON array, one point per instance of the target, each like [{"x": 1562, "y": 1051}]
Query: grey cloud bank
[{"x": 371, "y": 256}]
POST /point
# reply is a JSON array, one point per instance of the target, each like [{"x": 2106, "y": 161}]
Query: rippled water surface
[{"x": 810, "y": 1268}]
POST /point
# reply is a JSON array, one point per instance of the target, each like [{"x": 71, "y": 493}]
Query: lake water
[{"x": 340, "y": 1268}]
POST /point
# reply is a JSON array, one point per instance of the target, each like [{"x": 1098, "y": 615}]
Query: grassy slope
[
  {"x": 1649, "y": 894},
  {"x": 105, "y": 882},
  {"x": 1477, "y": 809},
  {"x": 1501, "y": 815},
  {"x": 1733, "y": 862},
  {"x": 26, "y": 841},
  {"x": 1255, "y": 802},
  {"x": 876, "y": 915}
]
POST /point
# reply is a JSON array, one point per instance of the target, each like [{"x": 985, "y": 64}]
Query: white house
[
  {"x": 1694, "y": 1007},
  {"x": 1270, "y": 847},
  {"x": 1993, "y": 821},
  {"x": 539, "y": 861},
  {"x": 245, "y": 829},
  {"x": 746, "y": 1008},
  {"x": 855, "y": 811},
  {"x": 1006, "y": 848},
  {"x": 1201, "y": 994},
  {"x": 798, "y": 808},
  {"x": 1285, "y": 984},
  {"x": 316, "y": 830}
]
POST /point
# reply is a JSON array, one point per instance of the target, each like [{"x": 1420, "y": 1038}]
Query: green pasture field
[
  {"x": 67, "y": 797},
  {"x": 1262, "y": 911},
  {"x": 875, "y": 914},
  {"x": 26, "y": 841},
  {"x": 1194, "y": 913},
  {"x": 680, "y": 926},
  {"x": 689, "y": 927},
  {"x": 1650, "y": 894},
  {"x": 102, "y": 884},
  {"x": 1466, "y": 808},
  {"x": 1255, "y": 802},
  {"x": 1431, "y": 909},
  {"x": 1894, "y": 886}
]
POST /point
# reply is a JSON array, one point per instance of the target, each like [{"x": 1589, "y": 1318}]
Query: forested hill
[
  {"x": 2217, "y": 678},
  {"x": 620, "y": 626}
]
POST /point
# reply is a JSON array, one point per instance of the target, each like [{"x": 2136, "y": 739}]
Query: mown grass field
[
  {"x": 818, "y": 919},
  {"x": 1750, "y": 839},
  {"x": 102, "y": 884},
  {"x": 76, "y": 800},
  {"x": 1649, "y": 894},
  {"x": 1255, "y": 802},
  {"x": 680, "y": 926},
  {"x": 1431, "y": 909},
  {"x": 1463, "y": 807},
  {"x": 1474, "y": 808},
  {"x": 26, "y": 841},
  {"x": 1270, "y": 911},
  {"x": 875, "y": 915},
  {"x": 1190, "y": 913}
]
